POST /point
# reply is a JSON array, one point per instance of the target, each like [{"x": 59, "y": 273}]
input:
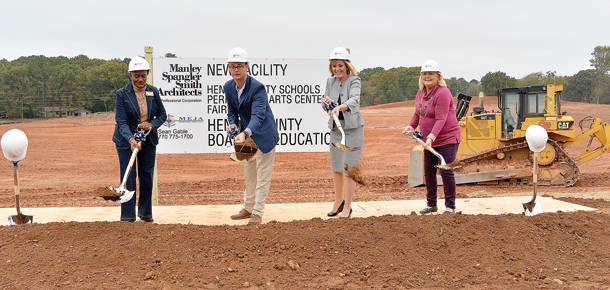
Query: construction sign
[{"x": 192, "y": 90}]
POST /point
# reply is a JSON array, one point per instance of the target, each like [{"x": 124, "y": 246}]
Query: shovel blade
[
  {"x": 446, "y": 167},
  {"x": 242, "y": 156},
  {"x": 532, "y": 209},
  {"x": 344, "y": 147},
  {"x": 126, "y": 196},
  {"x": 20, "y": 219}
]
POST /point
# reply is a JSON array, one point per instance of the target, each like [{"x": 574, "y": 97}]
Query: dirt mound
[{"x": 549, "y": 251}]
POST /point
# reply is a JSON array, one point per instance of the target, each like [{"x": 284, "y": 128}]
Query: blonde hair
[
  {"x": 441, "y": 81},
  {"x": 351, "y": 70}
]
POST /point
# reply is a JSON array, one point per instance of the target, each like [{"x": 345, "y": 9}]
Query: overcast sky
[{"x": 468, "y": 38}]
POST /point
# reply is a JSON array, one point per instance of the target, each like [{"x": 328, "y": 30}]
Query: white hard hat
[
  {"x": 339, "y": 53},
  {"x": 536, "y": 138},
  {"x": 238, "y": 54},
  {"x": 430, "y": 65},
  {"x": 14, "y": 145},
  {"x": 138, "y": 63}
]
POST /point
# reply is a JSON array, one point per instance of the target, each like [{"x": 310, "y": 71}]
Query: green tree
[
  {"x": 552, "y": 77},
  {"x": 15, "y": 89},
  {"x": 457, "y": 86},
  {"x": 473, "y": 90},
  {"x": 464, "y": 83},
  {"x": 386, "y": 86},
  {"x": 453, "y": 85},
  {"x": 581, "y": 86},
  {"x": 169, "y": 54},
  {"x": 532, "y": 79},
  {"x": 601, "y": 63},
  {"x": 80, "y": 60},
  {"x": 68, "y": 85},
  {"x": 110, "y": 76},
  {"x": 114, "y": 74},
  {"x": 408, "y": 82},
  {"x": 366, "y": 73},
  {"x": 492, "y": 82},
  {"x": 366, "y": 94}
]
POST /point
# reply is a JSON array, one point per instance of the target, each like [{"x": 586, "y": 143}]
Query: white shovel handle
[
  {"x": 128, "y": 170},
  {"x": 429, "y": 148}
]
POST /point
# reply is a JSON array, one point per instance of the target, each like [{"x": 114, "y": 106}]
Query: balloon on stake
[
  {"x": 536, "y": 137},
  {"x": 14, "y": 145}
]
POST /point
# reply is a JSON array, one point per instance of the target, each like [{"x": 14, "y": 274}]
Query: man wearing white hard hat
[
  {"x": 249, "y": 111},
  {"x": 435, "y": 117},
  {"x": 138, "y": 107}
]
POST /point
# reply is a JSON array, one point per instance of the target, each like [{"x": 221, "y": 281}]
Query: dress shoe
[
  {"x": 339, "y": 210},
  {"x": 428, "y": 210},
  {"x": 243, "y": 214},
  {"x": 347, "y": 217},
  {"x": 148, "y": 220},
  {"x": 449, "y": 211},
  {"x": 255, "y": 219}
]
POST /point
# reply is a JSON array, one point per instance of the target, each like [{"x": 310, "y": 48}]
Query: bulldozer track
[{"x": 563, "y": 156}]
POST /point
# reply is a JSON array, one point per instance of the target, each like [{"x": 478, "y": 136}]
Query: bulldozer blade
[
  {"x": 344, "y": 147},
  {"x": 20, "y": 219}
]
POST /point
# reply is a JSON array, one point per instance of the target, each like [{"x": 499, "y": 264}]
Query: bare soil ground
[{"x": 69, "y": 158}]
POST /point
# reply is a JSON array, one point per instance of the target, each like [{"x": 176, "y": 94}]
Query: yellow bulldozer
[{"x": 494, "y": 149}]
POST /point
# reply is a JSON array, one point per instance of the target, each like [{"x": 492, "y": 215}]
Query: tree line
[
  {"x": 30, "y": 84},
  {"x": 380, "y": 86}
]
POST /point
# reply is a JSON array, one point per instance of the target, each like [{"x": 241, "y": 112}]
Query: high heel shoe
[
  {"x": 339, "y": 210},
  {"x": 347, "y": 217}
]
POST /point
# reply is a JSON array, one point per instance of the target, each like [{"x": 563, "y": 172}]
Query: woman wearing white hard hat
[
  {"x": 342, "y": 98},
  {"x": 138, "y": 107},
  {"x": 435, "y": 116}
]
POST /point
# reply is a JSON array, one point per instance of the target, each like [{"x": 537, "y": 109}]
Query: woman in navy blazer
[{"x": 138, "y": 107}]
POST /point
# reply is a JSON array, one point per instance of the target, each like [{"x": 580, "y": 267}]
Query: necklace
[
  {"x": 141, "y": 100},
  {"x": 423, "y": 116}
]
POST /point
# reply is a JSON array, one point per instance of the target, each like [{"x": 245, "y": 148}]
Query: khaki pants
[{"x": 257, "y": 174}]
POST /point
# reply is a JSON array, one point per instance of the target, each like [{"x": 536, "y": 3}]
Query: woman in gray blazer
[{"x": 343, "y": 90}]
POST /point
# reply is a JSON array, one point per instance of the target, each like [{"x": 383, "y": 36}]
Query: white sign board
[{"x": 192, "y": 90}]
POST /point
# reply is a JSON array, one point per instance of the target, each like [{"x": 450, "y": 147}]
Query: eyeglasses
[{"x": 236, "y": 67}]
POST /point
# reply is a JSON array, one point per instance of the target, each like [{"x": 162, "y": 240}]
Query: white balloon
[
  {"x": 536, "y": 137},
  {"x": 14, "y": 145}
]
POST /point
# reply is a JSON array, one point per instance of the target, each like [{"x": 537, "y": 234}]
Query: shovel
[
  {"x": 341, "y": 145},
  {"x": 443, "y": 164},
  {"x": 121, "y": 194},
  {"x": 532, "y": 208},
  {"x": 20, "y": 218}
]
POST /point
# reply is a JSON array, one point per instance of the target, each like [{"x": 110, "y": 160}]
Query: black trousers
[
  {"x": 145, "y": 165},
  {"x": 430, "y": 160}
]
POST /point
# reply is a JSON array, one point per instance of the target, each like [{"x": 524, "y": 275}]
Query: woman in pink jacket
[{"x": 435, "y": 116}]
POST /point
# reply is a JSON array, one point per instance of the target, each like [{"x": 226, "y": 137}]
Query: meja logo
[{"x": 190, "y": 118}]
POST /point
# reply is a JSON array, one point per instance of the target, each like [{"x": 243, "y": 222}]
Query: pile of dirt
[{"x": 548, "y": 251}]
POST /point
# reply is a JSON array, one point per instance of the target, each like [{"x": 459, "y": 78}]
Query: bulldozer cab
[{"x": 519, "y": 104}]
